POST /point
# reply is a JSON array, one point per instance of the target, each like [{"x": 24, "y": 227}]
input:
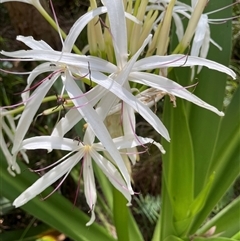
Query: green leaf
[
  {"x": 178, "y": 166},
  {"x": 200, "y": 200},
  {"x": 236, "y": 236},
  {"x": 227, "y": 221},
  {"x": 204, "y": 125},
  {"x": 120, "y": 215},
  {"x": 225, "y": 160},
  {"x": 164, "y": 226},
  {"x": 134, "y": 232}
]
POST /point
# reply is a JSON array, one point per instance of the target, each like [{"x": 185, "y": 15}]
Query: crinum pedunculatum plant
[{"x": 133, "y": 58}]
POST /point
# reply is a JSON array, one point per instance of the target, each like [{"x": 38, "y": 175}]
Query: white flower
[
  {"x": 78, "y": 65},
  {"x": 85, "y": 151},
  {"x": 67, "y": 65}
]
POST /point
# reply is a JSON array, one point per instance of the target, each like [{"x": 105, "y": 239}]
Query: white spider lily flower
[
  {"x": 63, "y": 62},
  {"x": 85, "y": 151},
  {"x": 68, "y": 62},
  {"x": 7, "y": 130},
  {"x": 116, "y": 83}
]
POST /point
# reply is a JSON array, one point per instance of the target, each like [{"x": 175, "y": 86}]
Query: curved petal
[
  {"x": 30, "y": 110},
  {"x": 179, "y": 60},
  {"x": 76, "y": 60},
  {"x": 89, "y": 186},
  {"x": 40, "y": 69},
  {"x": 50, "y": 142},
  {"x": 112, "y": 174},
  {"x": 131, "y": 141},
  {"x": 199, "y": 35},
  {"x": 34, "y": 44},
  {"x": 171, "y": 87},
  {"x": 179, "y": 26},
  {"x": 67, "y": 123},
  {"x": 46, "y": 180},
  {"x": 118, "y": 28},
  {"x": 79, "y": 25}
]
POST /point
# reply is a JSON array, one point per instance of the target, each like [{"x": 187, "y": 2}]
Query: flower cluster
[{"x": 126, "y": 51}]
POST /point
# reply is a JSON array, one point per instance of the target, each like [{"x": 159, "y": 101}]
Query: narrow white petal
[
  {"x": 199, "y": 35},
  {"x": 112, "y": 174},
  {"x": 40, "y": 69},
  {"x": 73, "y": 116},
  {"x": 76, "y": 60},
  {"x": 67, "y": 123},
  {"x": 34, "y": 44},
  {"x": 30, "y": 110},
  {"x": 205, "y": 44},
  {"x": 79, "y": 25},
  {"x": 89, "y": 185},
  {"x": 171, "y": 87},
  {"x": 47, "y": 179},
  {"x": 128, "y": 119},
  {"x": 179, "y": 60},
  {"x": 118, "y": 28},
  {"x": 130, "y": 141},
  {"x": 50, "y": 142},
  {"x": 89, "y": 136},
  {"x": 179, "y": 26}
]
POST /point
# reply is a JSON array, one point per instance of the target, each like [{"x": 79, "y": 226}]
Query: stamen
[
  {"x": 173, "y": 61},
  {"x": 220, "y": 9},
  {"x": 93, "y": 99},
  {"x": 58, "y": 186},
  {"x": 103, "y": 24},
  {"x": 13, "y": 72},
  {"x": 53, "y": 164},
  {"x": 40, "y": 82},
  {"x": 55, "y": 18},
  {"x": 15, "y": 105}
]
